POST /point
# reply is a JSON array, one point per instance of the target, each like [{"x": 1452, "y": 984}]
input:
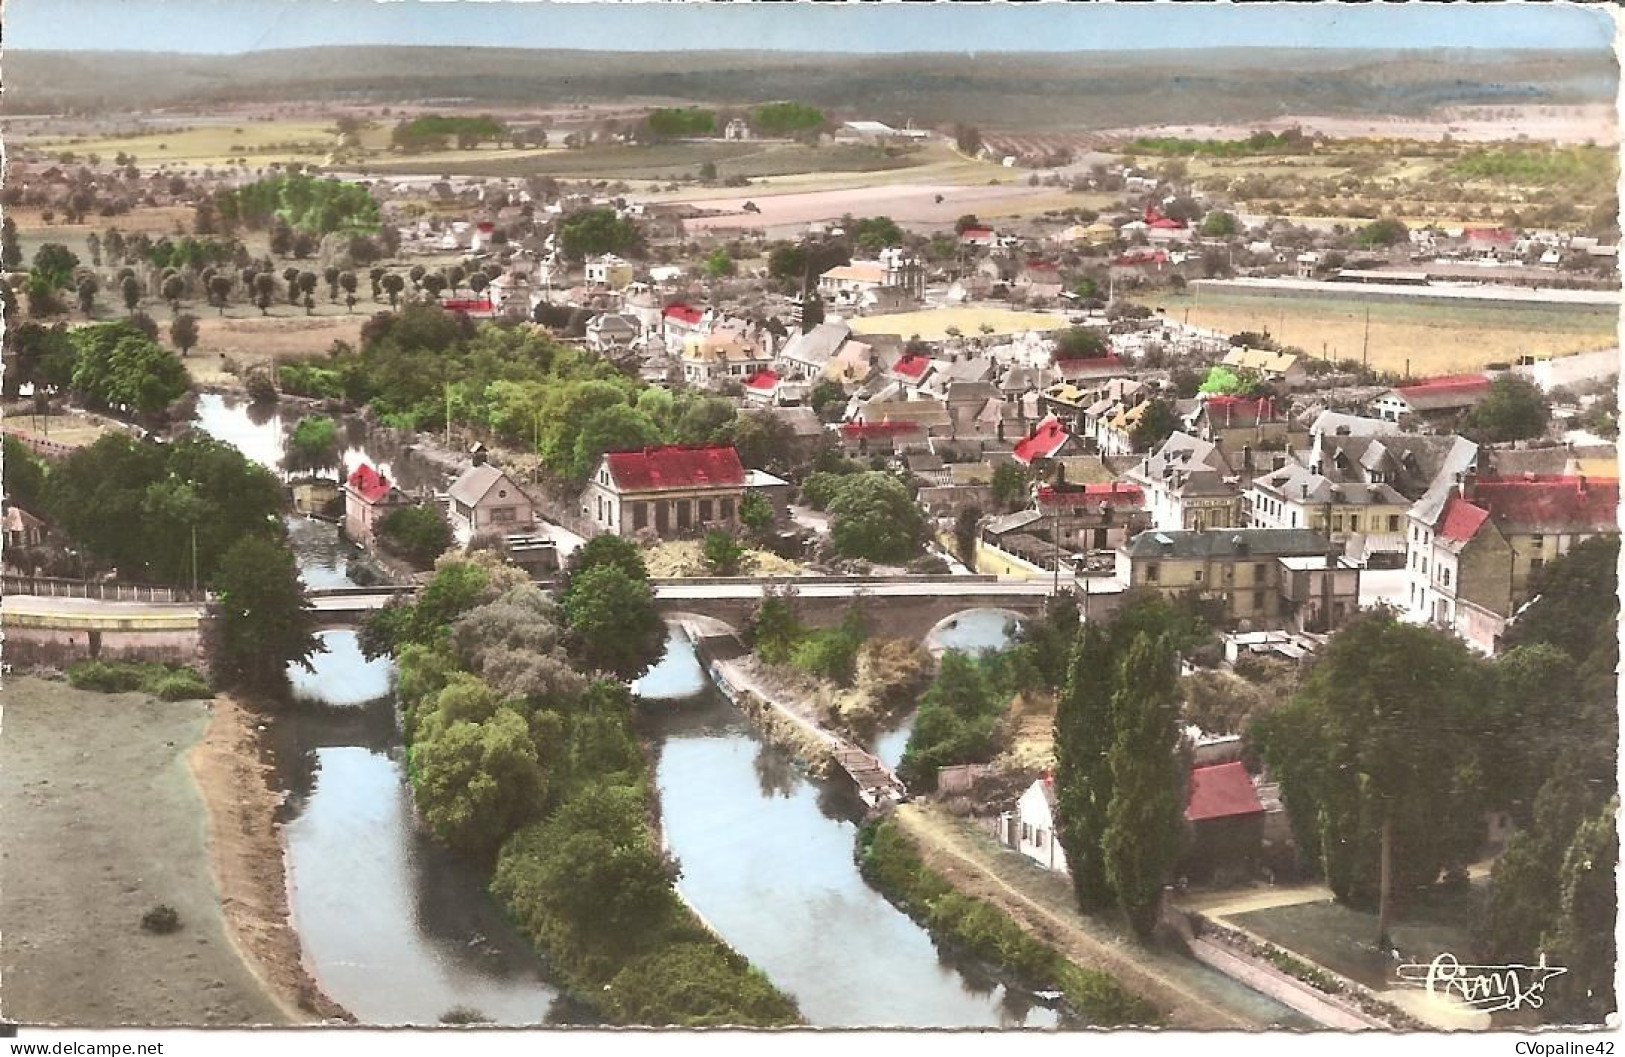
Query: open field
[
  {"x": 915, "y": 204},
  {"x": 663, "y": 161},
  {"x": 103, "y": 822},
  {"x": 207, "y": 144},
  {"x": 73, "y": 428},
  {"x": 1433, "y": 339},
  {"x": 251, "y": 339},
  {"x": 933, "y": 324},
  {"x": 1590, "y": 122}
]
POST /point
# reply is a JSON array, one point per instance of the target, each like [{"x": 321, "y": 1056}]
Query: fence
[{"x": 59, "y": 587}]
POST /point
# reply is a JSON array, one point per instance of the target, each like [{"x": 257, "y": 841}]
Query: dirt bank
[
  {"x": 103, "y": 822},
  {"x": 246, "y": 858}
]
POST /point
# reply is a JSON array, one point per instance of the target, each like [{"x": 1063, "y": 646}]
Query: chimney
[
  {"x": 1247, "y": 456},
  {"x": 1305, "y": 488}
]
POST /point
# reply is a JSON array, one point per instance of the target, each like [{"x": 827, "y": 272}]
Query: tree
[
  {"x": 968, "y": 139},
  {"x": 756, "y": 513},
  {"x": 1010, "y": 487},
  {"x": 262, "y": 620},
  {"x": 1157, "y": 423},
  {"x": 118, "y": 366},
  {"x": 720, "y": 264},
  {"x": 54, "y": 264},
  {"x": 1514, "y": 409},
  {"x": 1583, "y": 938},
  {"x": 591, "y": 232},
  {"x": 722, "y": 553},
  {"x": 1220, "y": 225},
  {"x": 1373, "y": 755},
  {"x": 966, "y": 524},
  {"x": 86, "y": 291},
  {"x": 220, "y": 291},
  {"x": 1080, "y": 343},
  {"x": 614, "y": 626},
  {"x": 827, "y": 399},
  {"x": 420, "y": 534},
  {"x": 873, "y": 516},
  {"x": 173, "y": 290},
  {"x": 25, "y": 475},
  {"x": 347, "y": 280},
  {"x": 183, "y": 332},
  {"x": 330, "y": 275},
  {"x": 475, "y": 782},
  {"x": 1083, "y": 775},
  {"x": 1385, "y": 232},
  {"x": 11, "y": 252},
  {"x": 393, "y": 284},
  {"x": 1141, "y": 841},
  {"x": 130, "y": 291}
]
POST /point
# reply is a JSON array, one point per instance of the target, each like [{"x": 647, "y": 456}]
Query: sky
[{"x": 234, "y": 26}]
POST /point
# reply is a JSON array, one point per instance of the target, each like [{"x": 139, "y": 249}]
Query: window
[
  {"x": 1354, "y": 522},
  {"x": 727, "y": 510},
  {"x": 1026, "y": 833},
  {"x": 705, "y": 510},
  {"x": 1038, "y": 838},
  {"x": 1337, "y": 522},
  {"x": 1152, "y": 573},
  {"x": 1393, "y": 522},
  {"x": 1197, "y": 576},
  {"x": 640, "y": 515},
  {"x": 503, "y": 515},
  {"x": 1445, "y": 572},
  {"x": 1537, "y": 540},
  {"x": 1536, "y": 564}
]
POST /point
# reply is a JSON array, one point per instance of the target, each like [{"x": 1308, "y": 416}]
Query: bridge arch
[{"x": 974, "y": 628}]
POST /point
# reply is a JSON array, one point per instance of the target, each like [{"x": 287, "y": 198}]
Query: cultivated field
[
  {"x": 209, "y": 143},
  {"x": 663, "y": 161},
  {"x": 1435, "y": 339},
  {"x": 933, "y": 324}
]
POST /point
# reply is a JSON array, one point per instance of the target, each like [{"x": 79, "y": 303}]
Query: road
[
  {"x": 94, "y": 612},
  {"x": 958, "y": 588}
]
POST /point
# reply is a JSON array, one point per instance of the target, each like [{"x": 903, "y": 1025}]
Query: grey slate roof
[{"x": 1227, "y": 543}]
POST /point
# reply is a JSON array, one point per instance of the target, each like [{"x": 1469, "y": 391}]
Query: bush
[
  {"x": 161, "y": 920},
  {"x": 417, "y": 533},
  {"x": 169, "y": 682}
]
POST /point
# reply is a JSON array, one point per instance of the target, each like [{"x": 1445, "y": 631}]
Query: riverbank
[
  {"x": 248, "y": 860},
  {"x": 104, "y": 822},
  {"x": 1191, "y": 996}
]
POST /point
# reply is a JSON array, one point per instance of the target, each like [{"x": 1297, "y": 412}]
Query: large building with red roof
[
  {"x": 1476, "y": 546},
  {"x": 669, "y": 492},
  {"x": 1044, "y": 442},
  {"x": 1432, "y": 400}
]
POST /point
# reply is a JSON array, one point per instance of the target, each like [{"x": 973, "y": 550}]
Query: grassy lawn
[
  {"x": 933, "y": 324},
  {"x": 1435, "y": 339},
  {"x": 1343, "y": 939}
]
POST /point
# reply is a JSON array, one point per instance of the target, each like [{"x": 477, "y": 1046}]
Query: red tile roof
[
  {"x": 762, "y": 380},
  {"x": 1165, "y": 224},
  {"x": 684, "y": 314},
  {"x": 976, "y": 233},
  {"x": 466, "y": 304},
  {"x": 1043, "y": 442},
  {"x": 912, "y": 366},
  {"x": 1489, "y": 234},
  {"x": 676, "y": 466},
  {"x": 369, "y": 483},
  {"x": 1090, "y": 495},
  {"x": 1223, "y": 790},
  {"x": 1143, "y": 257},
  {"x": 1240, "y": 410},
  {"x": 1549, "y": 503},
  {"x": 1460, "y": 520},
  {"x": 1463, "y": 382}
]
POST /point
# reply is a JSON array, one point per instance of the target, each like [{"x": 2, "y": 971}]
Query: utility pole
[
  {"x": 194, "y": 558},
  {"x": 1365, "y": 343}
]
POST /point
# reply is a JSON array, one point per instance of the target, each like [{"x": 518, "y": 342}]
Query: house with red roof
[
  {"x": 1476, "y": 547},
  {"x": 763, "y": 386},
  {"x": 1226, "y": 820},
  {"x": 978, "y": 238},
  {"x": 368, "y": 497},
  {"x": 673, "y": 491},
  {"x": 1044, "y": 442},
  {"x": 1434, "y": 400},
  {"x": 679, "y": 323},
  {"x": 911, "y": 370},
  {"x": 1093, "y": 369}
]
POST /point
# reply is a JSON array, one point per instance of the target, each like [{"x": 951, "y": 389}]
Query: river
[
  {"x": 973, "y": 631},
  {"x": 767, "y": 860}
]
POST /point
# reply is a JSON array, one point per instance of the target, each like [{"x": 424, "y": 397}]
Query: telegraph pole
[{"x": 1365, "y": 343}]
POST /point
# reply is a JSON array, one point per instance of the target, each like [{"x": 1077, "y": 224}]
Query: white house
[
  {"x": 608, "y": 272},
  {"x": 1030, "y": 828}
]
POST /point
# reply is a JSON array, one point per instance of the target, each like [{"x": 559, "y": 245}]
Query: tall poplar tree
[{"x": 1083, "y": 776}]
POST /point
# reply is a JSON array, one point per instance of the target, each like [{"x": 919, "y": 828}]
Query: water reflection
[
  {"x": 767, "y": 859},
  {"x": 677, "y": 675},
  {"x": 973, "y": 631},
  {"x": 343, "y": 677}
]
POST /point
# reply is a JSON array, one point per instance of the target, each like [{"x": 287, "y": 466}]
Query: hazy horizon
[{"x": 237, "y": 27}]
